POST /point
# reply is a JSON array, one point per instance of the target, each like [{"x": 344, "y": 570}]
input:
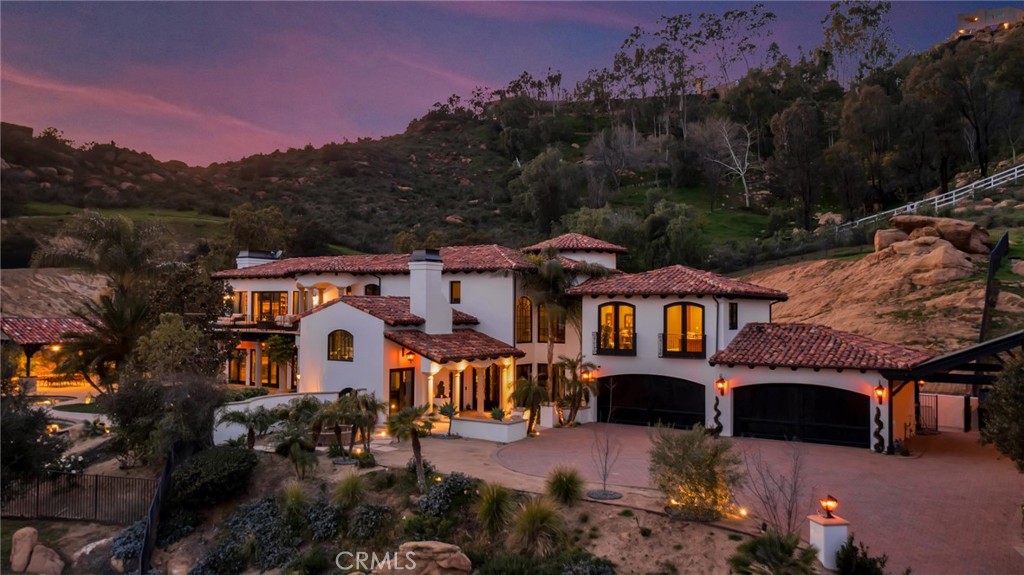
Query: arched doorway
[
  {"x": 643, "y": 399},
  {"x": 799, "y": 412}
]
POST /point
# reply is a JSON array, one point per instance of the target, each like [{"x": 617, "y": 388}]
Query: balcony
[
  {"x": 692, "y": 346},
  {"x": 608, "y": 343}
]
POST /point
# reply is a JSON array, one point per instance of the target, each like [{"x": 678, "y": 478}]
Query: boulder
[
  {"x": 127, "y": 187},
  {"x": 48, "y": 172},
  {"x": 943, "y": 264},
  {"x": 22, "y": 543},
  {"x": 93, "y": 182},
  {"x": 178, "y": 566},
  {"x": 918, "y": 246},
  {"x": 1018, "y": 267},
  {"x": 926, "y": 231},
  {"x": 429, "y": 558},
  {"x": 965, "y": 236},
  {"x": 45, "y": 561},
  {"x": 1006, "y": 204},
  {"x": 829, "y": 219},
  {"x": 886, "y": 238},
  {"x": 153, "y": 177}
]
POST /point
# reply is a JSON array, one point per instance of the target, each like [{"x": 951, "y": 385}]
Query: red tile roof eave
[
  {"x": 397, "y": 337},
  {"x": 783, "y": 297}
]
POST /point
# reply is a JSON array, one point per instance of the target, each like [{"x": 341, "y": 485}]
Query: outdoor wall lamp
[
  {"x": 408, "y": 354},
  {"x": 829, "y": 504},
  {"x": 721, "y": 385},
  {"x": 879, "y": 393}
]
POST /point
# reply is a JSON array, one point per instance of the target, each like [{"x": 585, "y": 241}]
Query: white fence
[{"x": 950, "y": 198}]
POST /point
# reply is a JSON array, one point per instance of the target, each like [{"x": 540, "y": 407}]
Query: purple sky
[{"x": 206, "y": 82}]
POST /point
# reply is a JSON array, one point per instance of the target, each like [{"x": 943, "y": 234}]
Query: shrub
[
  {"x": 262, "y": 526},
  {"x": 589, "y": 566},
  {"x": 696, "y": 471},
  {"x": 509, "y": 564},
  {"x": 226, "y": 558},
  {"x": 565, "y": 485},
  {"x": 175, "y": 526},
  {"x": 128, "y": 543},
  {"x": 365, "y": 460},
  {"x": 452, "y": 491},
  {"x": 322, "y": 519},
  {"x": 428, "y": 467},
  {"x": 854, "y": 559},
  {"x": 212, "y": 476},
  {"x": 494, "y": 508},
  {"x": 349, "y": 491},
  {"x": 774, "y": 552},
  {"x": 537, "y": 529},
  {"x": 368, "y": 520},
  {"x": 497, "y": 414},
  {"x": 313, "y": 562},
  {"x": 419, "y": 527},
  {"x": 335, "y": 450},
  {"x": 294, "y": 504}
]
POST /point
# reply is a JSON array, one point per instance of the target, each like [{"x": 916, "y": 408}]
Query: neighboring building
[
  {"x": 988, "y": 19},
  {"x": 676, "y": 345}
]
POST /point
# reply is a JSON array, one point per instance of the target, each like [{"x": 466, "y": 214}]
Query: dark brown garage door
[
  {"x": 649, "y": 399},
  {"x": 797, "y": 412}
]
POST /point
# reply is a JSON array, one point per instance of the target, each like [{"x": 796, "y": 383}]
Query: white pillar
[
  {"x": 430, "y": 391},
  {"x": 258, "y": 367},
  {"x": 828, "y": 535},
  {"x": 247, "y": 368}
]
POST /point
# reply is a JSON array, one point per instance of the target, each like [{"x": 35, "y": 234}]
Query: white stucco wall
[
  {"x": 604, "y": 259},
  {"x": 748, "y": 311},
  {"x": 366, "y": 370}
]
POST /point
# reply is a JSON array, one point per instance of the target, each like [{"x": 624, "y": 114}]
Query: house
[
  {"x": 675, "y": 345},
  {"x": 987, "y": 19}
]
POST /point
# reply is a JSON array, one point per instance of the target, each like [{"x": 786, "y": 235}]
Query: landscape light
[
  {"x": 879, "y": 393},
  {"x": 829, "y": 504}
]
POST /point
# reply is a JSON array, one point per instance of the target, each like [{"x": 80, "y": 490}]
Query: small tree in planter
[
  {"x": 497, "y": 414},
  {"x": 529, "y": 393},
  {"x": 605, "y": 452},
  {"x": 449, "y": 411},
  {"x": 575, "y": 386}
]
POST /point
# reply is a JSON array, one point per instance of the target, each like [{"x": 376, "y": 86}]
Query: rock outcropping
[
  {"x": 965, "y": 236},
  {"x": 28, "y": 556},
  {"x": 429, "y": 558}
]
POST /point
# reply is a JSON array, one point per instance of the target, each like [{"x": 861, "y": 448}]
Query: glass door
[{"x": 400, "y": 390}]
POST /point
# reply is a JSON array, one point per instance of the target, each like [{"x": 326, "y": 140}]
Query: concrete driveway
[{"x": 954, "y": 507}]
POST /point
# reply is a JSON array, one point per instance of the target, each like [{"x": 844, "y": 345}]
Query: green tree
[
  {"x": 257, "y": 422},
  {"x": 696, "y": 471},
  {"x": 171, "y": 347},
  {"x": 449, "y": 411},
  {"x": 127, "y": 252},
  {"x": 547, "y": 188},
  {"x": 797, "y": 164},
  {"x": 547, "y": 285},
  {"x": 25, "y": 446},
  {"x": 528, "y": 393},
  {"x": 858, "y": 38},
  {"x": 576, "y": 387},
  {"x": 259, "y": 228},
  {"x": 406, "y": 424},
  {"x": 114, "y": 325},
  {"x": 1004, "y": 413},
  {"x": 774, "y": 554}
]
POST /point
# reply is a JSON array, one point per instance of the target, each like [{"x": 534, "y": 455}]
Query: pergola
[{"x": 34, "y": 333}]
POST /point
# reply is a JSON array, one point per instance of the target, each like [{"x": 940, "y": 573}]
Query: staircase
[{"x": 942, "y": 200}]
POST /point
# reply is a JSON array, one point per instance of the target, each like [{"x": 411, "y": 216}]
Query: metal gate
[
  {"x": 99, "y": 498},
  {"x": 929, "y": 418}
]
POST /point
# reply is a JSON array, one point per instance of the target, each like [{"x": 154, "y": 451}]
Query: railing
[
  {"x": 76, "y": 496},
  {"x": 682, "y": 345},
  {"x": 995, "y": 259},
  {"x": 624, "y": 344},
  {"x": 942, "y": 200}
]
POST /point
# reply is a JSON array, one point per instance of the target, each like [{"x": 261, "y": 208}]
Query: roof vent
[{"x": 425, "y": 256}]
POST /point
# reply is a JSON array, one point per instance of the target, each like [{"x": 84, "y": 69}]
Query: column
[
  {"x": 481, "y": 383},
  {"x": 248, "y": 368},
  {"x": 258, "y": 367},
  {"x": 827, "y": 534}
]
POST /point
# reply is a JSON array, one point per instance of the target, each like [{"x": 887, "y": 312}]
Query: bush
[
  {"x": 538, "y": 529},
  {"x": 349, "y": 491},
  {"x": 175, "y": 526},
  {"x": 854, "y": 559},
  {"x": 510, "y": 564},
  {"x": 335, "y": 450},
  {"x": 428, "y": 467},
  {"x": 294, "y": 504},
  {"x": 774, "y": 552},
  {"x": 494, "y": 508},
  {"x": 452, "y": 492},
  {"x": 226, "y": 558},
  {"x": 369, "y": 520},
  {"x": 419, "y": 527},
  {"x": 212, "y": 476},
  {"x": 589, "y": 566},
  {"x": 565, "y": 485},
  {"x": 570, "y": 563},
  {"x": 322, "y": 519},
  {"x": 129, "y": 542},
  {"x": 313, "y": 562},
  {"x": 365, "y": 460},
  {"x": 696, "y": 471},
  {"x": 262, "y": 526}
]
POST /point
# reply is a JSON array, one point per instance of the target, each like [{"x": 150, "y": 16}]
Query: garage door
[
  {"x": 649, "y": 399},
  {"x": 809, "y": 413}
]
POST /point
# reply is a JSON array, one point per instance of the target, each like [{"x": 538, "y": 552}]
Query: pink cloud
[{"x": 588, "y": 13}]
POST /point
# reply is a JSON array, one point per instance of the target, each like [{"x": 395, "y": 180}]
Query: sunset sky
[{"x": 206, "y": 82}]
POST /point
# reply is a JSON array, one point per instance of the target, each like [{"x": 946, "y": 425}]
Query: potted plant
[{"x": 498, "y": 414}]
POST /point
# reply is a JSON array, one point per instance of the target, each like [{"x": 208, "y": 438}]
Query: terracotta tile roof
[
  {"x": 815, "y": 346},
  {"x": 480, "y": 258},
  {"x": 576, "y": 242},
  {"x": 461, "y": 344},
  {"x": 40, "y": 330},
  {"x": 393, "y": 310},
  {"x": 675, "y": 280}
]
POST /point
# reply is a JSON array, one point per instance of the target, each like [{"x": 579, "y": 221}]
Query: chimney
[
  {"x": 426, "y": 291},
  {"x": 250, "y": 258}
]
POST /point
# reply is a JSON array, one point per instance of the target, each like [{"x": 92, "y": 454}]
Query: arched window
[
  {"x": 684, "y": 330},
  {"x": 339, "y": 345},
  {"x": 543, "y": 328},
  {"x": 524, "y": 320},
  {"x": 617, "y": 329}
]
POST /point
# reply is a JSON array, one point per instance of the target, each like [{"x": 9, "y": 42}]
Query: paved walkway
[{"x": 954, "y": 507}]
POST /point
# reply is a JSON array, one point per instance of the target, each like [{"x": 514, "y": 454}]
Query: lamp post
[{"x": 828, "y": 532}]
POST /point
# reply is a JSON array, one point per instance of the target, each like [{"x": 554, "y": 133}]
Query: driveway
[{"x": 953, "y": 507}]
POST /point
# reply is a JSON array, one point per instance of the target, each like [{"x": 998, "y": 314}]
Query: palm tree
[
  {"x": 529, "y": 393},
  {"x": 406, "y": 424},
  {"x": 125, "y": 251},
  {"x": 449, "y": 411},
  {"x": 113, "y": 326},
  {"x": 547, "y": 285},
  {"x": 332, "y": 415},
  {"x": 774, "y": 554},
  {"x": 576, "y": 386}
]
